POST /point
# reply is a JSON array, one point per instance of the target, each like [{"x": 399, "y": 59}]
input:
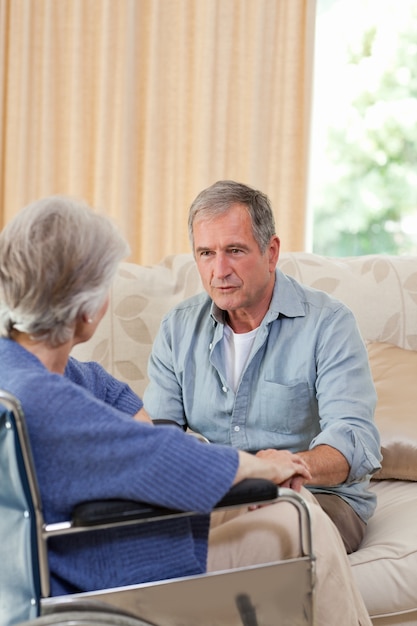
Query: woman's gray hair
[
  {"x": 217, "y": 200},
  {"x": 57, "y": 261}
]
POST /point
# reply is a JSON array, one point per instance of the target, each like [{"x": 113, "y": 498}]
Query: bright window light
[{"x": 363, "y": 167}]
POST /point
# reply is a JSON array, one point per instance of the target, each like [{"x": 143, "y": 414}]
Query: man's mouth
[{"x": 225, "y": 287}]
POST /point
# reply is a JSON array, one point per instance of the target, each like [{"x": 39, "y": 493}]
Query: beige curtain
[{"x": 137, "y": 105}]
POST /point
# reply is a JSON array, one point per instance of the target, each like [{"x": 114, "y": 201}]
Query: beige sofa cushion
[
  {"x": 385, "y": 566},
  {"x": 395, "y": 375},
  {"x": 139, "y": 297}
]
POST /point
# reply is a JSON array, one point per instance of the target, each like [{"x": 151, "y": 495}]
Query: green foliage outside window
[{"x": 367, "y": 200}]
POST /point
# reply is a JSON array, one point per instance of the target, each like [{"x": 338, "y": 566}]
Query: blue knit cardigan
[{"x": 86, "y": 446}]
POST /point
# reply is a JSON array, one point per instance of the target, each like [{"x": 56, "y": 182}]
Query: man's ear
[{"x": 273, "y": 248}]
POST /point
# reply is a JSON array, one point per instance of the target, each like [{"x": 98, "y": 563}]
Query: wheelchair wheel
[{"x": 86, "y": 618}]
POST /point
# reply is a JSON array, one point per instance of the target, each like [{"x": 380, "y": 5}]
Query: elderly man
[{"x": 263, "y": 363}]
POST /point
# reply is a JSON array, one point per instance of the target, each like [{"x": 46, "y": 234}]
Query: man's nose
[{"x": 221, "y": 266}]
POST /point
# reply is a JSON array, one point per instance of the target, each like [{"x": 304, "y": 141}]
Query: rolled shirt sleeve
[{"x": 346, "y": 395}]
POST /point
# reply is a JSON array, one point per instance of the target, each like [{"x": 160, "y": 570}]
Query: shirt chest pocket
[{"x": 288, "y": 409}]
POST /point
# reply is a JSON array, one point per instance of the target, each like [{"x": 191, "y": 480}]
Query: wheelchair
[{"x": 274, "y": 594}]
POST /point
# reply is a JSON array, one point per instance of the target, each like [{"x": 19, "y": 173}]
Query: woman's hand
[
  {"x": 142, "y": 416},
  {"x": 288, "y": 462},
  {"x": 280, "y": 466}
]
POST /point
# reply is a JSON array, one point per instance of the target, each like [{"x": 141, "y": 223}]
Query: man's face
[{"x": 236, "y": 275}]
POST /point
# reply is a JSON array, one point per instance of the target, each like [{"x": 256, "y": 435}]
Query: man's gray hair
[
  {"x": 57, "y": 261},
  {"x": 217, "y": 200}
]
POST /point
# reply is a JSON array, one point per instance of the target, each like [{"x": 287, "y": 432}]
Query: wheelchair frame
[{"x": 275, "y": 593}]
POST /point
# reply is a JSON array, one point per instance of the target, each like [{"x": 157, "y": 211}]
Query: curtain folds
[{"x": 137, "y": 105}]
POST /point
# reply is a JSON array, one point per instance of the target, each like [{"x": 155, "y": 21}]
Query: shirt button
[
  {"x": 236, "y": 429},
  {"x": 224, "y": 389}
]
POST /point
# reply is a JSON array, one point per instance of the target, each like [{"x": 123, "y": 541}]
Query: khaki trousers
[{"x": 239, "y": 538}]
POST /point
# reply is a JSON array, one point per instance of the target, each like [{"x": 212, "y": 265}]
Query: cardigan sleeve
[{"x": 103, "y": 385}]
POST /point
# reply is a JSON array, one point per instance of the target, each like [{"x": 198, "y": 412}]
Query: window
[{"x": 363, "y": 173}]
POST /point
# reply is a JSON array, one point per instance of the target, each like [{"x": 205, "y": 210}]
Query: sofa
[{"x": 382, "y": 293}]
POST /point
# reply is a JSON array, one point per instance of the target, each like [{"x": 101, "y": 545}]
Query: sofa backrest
[{"x": 381, "y": 291}]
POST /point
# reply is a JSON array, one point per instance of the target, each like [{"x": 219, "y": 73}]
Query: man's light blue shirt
[{"x": 307, "y": 382}]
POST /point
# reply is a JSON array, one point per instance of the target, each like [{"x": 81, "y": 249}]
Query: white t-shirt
[{"x": 238, "y": 347}]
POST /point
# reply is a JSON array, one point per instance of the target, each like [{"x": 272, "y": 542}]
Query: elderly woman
[{"x": 57, "y": 262}]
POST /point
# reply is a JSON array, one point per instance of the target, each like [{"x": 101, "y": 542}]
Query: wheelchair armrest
[
  {"x": 249, "y": 491},
  {"x": 98, "y": 512}
]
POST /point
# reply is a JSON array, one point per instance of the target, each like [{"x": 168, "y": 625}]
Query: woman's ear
[
  {"x": 86, "y": 319},
  {"x": 84, "y": 328}
]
